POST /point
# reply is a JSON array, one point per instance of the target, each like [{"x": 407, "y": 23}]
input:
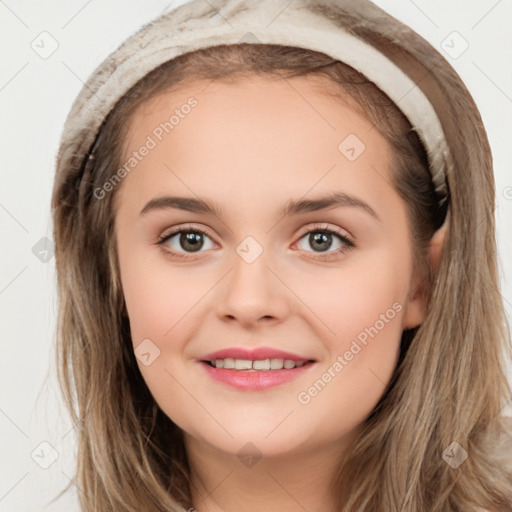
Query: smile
[
  {"x": 257, "y": 365},
  {"x": 257, "y": 375}
]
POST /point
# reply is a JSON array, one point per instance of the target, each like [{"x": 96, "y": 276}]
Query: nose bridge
[{"x": 253, "y": 290}]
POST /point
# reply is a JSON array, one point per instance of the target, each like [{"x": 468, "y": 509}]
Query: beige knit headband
[{"x": 405, "y": 80}]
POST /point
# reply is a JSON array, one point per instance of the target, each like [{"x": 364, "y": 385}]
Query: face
[{"x": 271, "y": 266}]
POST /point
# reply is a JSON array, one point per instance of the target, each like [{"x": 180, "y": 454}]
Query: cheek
[
  {"x": 158, "y": 296},
  {"x": 362, "y": 311},
  {"x": 160, "y": 304},
  {"x": 353, "y": 298}
]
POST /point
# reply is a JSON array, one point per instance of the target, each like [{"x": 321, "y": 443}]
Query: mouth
[
  {"x": 258, "y": 359},
  {"x": 256, "y": 375},
  {"x": 257, "y": 365},
  {"x": 255, "y": 369}
]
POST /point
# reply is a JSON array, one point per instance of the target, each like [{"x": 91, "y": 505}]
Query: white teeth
[
  {"x": 276, "y": 364},
  {"x": 243, "y": 364},
  {"x": 228, "y": 363},
  {"x": 261, "y": 365}
]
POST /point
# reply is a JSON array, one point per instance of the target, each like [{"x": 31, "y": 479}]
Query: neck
[{"x": 252, "y": 481}]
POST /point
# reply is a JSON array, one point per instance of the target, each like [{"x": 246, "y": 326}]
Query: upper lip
[{"x": 256, "y": 354}]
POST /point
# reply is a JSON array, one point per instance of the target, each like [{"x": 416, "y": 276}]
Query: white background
[{"x": 35, "y": 97}]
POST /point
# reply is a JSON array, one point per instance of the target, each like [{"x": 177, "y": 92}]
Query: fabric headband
[{"x": 396, "y": 72}]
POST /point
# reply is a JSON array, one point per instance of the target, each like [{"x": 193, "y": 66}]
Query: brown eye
[
  {"x": 184, "y": 240},
  {"x": 190, "y": 240},
  {"x": 321, "y": 240}
]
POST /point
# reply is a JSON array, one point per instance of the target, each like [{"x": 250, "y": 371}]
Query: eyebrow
[{"x": 292, "y": 207}]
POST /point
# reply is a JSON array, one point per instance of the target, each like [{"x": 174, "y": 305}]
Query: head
[
  {"x": 288, "y": 292},
  {"x": 401, "y": 269}
]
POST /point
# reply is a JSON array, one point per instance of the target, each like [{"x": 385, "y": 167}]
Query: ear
[{"x": 416, "y": 306}]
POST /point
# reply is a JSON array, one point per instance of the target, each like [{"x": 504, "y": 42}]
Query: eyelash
[{"x": 317, "y": 228}]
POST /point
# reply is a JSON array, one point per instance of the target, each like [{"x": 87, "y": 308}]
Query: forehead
[{"x": 255, "y": 135}]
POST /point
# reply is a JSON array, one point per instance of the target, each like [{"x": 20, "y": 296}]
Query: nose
[{"x": 253, "y": 294}]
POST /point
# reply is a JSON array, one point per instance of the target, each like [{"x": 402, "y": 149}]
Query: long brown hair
[{"x": 449, "y": 385}]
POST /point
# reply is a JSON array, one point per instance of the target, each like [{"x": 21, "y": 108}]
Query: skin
[{"x": 288, "y": 298}]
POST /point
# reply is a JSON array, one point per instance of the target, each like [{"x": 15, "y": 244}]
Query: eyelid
[
  {"x": 319, "y": 226},
  {"x": 303, "y": 231},
  {"x": 178, "y": 229},
  {"x": 345, "y": 237}
]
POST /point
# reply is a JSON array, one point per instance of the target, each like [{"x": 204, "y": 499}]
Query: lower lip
[{"x": 256, "y": 380}]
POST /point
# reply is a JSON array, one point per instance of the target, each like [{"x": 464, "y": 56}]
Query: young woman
[{"x": 277, "y": 270}]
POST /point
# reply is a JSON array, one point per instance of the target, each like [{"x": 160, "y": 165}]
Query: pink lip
[
  {"x": 255, "y": 380},
  {"x": 256, "y": 354}
]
